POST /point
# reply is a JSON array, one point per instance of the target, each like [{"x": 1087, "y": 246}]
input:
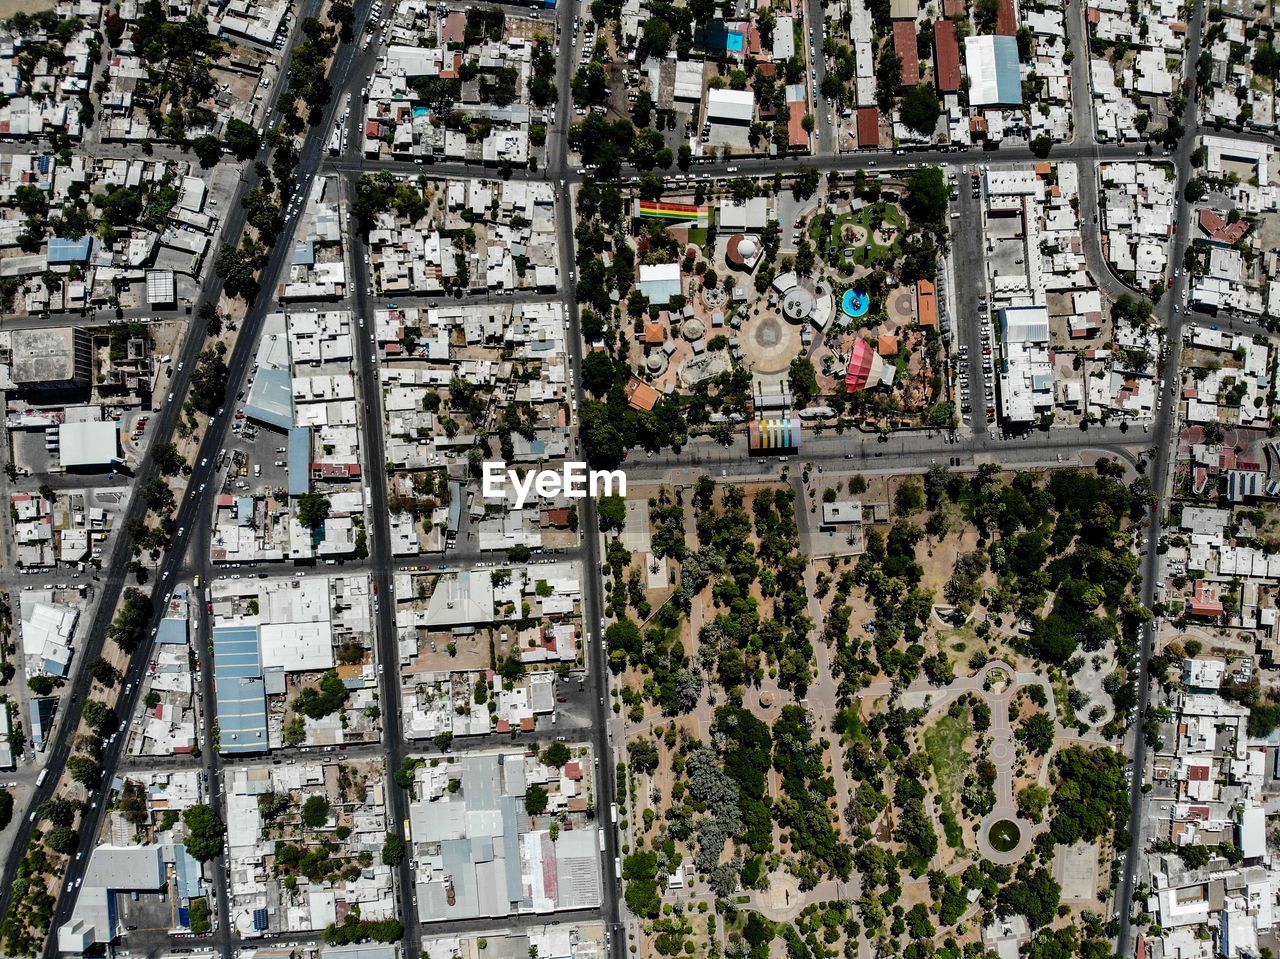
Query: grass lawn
[
  {"x": 1062, "y": 696},
  {"x": 944, "y": 742},
  {"x": 697, "y": 236},
  {"x": 870, "y": 252}
]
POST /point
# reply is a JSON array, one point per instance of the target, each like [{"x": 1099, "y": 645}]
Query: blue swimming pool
[{"x": 855, "y": 303}]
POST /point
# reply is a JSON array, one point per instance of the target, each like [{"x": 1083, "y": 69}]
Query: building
[
  {"x": 868, "y": 127},
  {"x": 904, "y": 43},
  {"x": 842, "y": 512},
  {"x": 926, "y": 303},
  {"x": 477, "y": 852},
  {"x": 112, "y": 870},
  {"x": 88, "y": 444},
  {"x": 241, "y": 692},
  {"x": 659, "y": 282},
  {"x": 1026, "y": 375},
  {"x": 995, "y": 74},
  {"x": 161, "y": 290},
  {"x": 59, "y": 358},
  {"x": 774, "y": 435},
  {"x": 735, "y": 107},
  {"x": 946, "y": 56}
]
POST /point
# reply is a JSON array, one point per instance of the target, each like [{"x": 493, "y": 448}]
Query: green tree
[
  {"x": 204, "y": 832},
  {"x": 327, "y": 699},
  {"x": 803, "y": 380},
  {"x": 315, "y": 812},
  {"x": 242, "y": 139},
  {"x": 207, "y": 150},
  {"x": 392, "y": 850},
  {"x": 920, "y": 108},
  {"x": 612, "y": 511},
  {"x": 597, "y": 372},
  {"x": 926, "y": 199},
  {"x": 313, "y": 510},
  {"x": 535, "y": 800},
  {"x": 557, "y": 754}
]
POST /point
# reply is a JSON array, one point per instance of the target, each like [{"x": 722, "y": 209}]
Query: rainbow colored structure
[
  {"x": 773, "y": 436},
  {"x": 673, "y": 212}
]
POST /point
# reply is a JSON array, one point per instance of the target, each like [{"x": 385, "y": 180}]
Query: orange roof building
[
  {"x": 926, "y": 303},
  {"x": 1220, "y": 229},
  {"x": 797, "y": 135},
  {"x": 655, "y": 334},
  {"x": 887, "y": 345},
  {"x": 640, "y": 395},
  {"x": 1205, "y": 601}
]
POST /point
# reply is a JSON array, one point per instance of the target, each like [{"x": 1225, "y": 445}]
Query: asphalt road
[
  {"x": 828, "y": 448},
  {"x": 192, "y": 512},
  {"x": 1165, "y": 449}
]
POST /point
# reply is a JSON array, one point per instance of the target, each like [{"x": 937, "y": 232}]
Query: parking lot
[{"x": 256, "y": 459}]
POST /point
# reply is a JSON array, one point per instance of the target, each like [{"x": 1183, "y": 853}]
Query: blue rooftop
[
  {"x": 299, "y": 460},
  {"x": 241, "y": 694},
  {"x": 271, "y": 398},
  {"x": 172, "y": 631},
  {"x": 66, "y": 250}
]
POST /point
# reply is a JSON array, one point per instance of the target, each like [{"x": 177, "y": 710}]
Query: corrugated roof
[
  {"x": 904, "y": 42},
  {"x": 946, "y": 51}
]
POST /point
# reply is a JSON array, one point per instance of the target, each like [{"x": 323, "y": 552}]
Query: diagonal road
[{"x": 193, "y": 509}]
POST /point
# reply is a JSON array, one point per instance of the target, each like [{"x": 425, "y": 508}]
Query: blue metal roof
[
  {"x": 187, "y": 870},
  {"x": 271, "y": 398},
  {"x": 173, "y": 631},
  {"x": 304, "y": 253},
  {"x": 68, "y": 250},
  {"x": 241, "y": 694},
  {"x": 242, "y": 716},
  {"x": 237, "y": 652},
  {"x": 1008, "y": 71},
  {"x": 299, "y": 460}
]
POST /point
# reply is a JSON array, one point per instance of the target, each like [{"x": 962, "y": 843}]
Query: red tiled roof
[
  {"x": 904, "y": 42},
  {"x": 926, "y": 303},
  {"x": 797, "y": 135},
  {"x": 1220, "y": 228},
  {"x": 868, "y": 127},
  {"x": 946, "y": 53},
  {"x": 641, "y": 395}
]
